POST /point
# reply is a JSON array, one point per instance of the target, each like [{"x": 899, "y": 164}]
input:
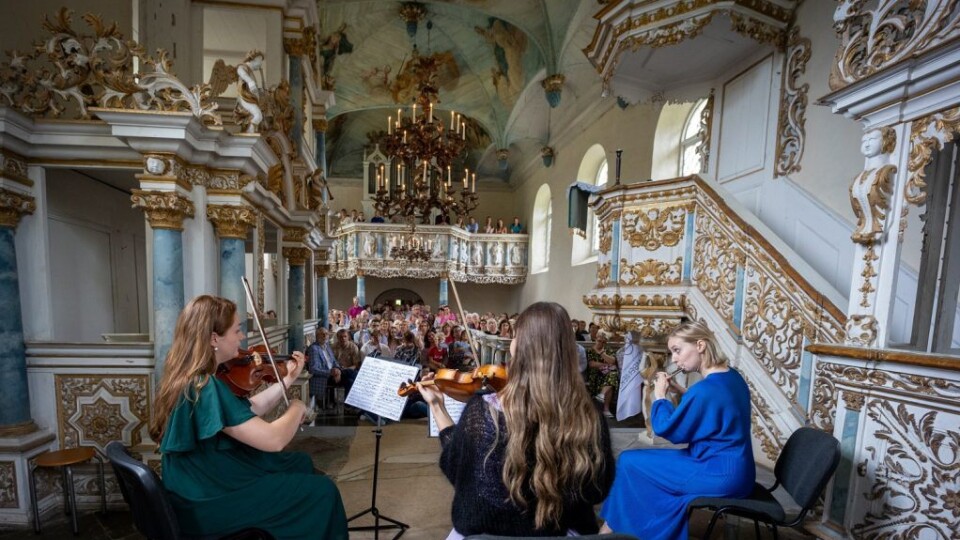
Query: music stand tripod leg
[{"x": 377, "y": 516}]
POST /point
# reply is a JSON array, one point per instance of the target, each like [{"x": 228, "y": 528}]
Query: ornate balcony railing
[{"x": 364, "y": 248}]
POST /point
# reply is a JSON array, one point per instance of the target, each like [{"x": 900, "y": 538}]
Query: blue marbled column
[
  {"x": 14, "y": 396},
  {"x": 167, "y": 291},
  {"x": 296, "y": 87},
  {"x": 361, "y": 290},
  {"x": 323, "y": 302},
  {"x": 443, "y": 292},
  {"x": 232, "y": 269},
  {"x": 295, "y": 301}
]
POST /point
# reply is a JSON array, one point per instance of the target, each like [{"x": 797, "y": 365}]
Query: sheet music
[
  {"x": 375, "y": 389},
  {"x": 454, "y": 408}
]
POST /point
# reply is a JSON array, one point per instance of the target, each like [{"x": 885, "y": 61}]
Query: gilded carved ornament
[
  {"x": 320, "y": 124},
  {"x": 74, "y": 70},
  {"x": 295, "y": 234},
  {"x": 705, "y": 134},
  {"x": 231, "y": 221},
  {"x": 861, "y": 330},
  {"x": 871, "y": 190},
  {"x": 875, "y": 35},
  {"x": 13, "y": 206},
  {"x": 916, "y": 474},
  {"x": 14, "y": 167},
  {"x": 853, "y": 401},
  {"x": 650, "y": 272},
  {"x": 926, "y": 135},
  {"x": 868, "y": 273},
  {"x": 654, "y": 227},
  {"x": 773, "y": 331},
  {"x": 791, "y": 133},
  {"x": 606, "y": 236},
  {"x": 164, "y": 209},
  {"x": 296, "y": 256}
]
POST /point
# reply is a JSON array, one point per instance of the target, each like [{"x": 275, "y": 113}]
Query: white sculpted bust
[{"x": 870, "y": 191}]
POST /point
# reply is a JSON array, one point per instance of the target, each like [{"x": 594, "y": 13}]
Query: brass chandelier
[
  {"x": 425, "y": 150},
  {"x": 412, "y": 247}
]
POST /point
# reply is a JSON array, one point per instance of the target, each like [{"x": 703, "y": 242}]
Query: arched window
[
  {"x": 593, "y": 170},
  {"x": 690, "y": 141},
  {"x": 540, "y": 227}
]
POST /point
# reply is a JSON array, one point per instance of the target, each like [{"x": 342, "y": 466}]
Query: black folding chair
[
  {"x": 804, "y": 467},
  {"x": 152, "y": 513},
  {"x": 588, "y": 537}
]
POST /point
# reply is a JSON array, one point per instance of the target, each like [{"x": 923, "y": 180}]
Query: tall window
[
  {"x": 541, "y": 226},
  {"x": 690, "y": 141},
  {"x": 593, "y": 225}
]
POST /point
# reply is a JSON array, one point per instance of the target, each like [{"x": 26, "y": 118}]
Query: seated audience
[{"x": 602, "y": 374}]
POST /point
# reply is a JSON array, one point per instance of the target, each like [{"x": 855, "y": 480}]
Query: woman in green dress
[{"x": 222, "y": 464}]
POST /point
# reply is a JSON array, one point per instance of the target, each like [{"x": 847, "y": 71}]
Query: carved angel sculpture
[{"x": 248, "y": 110}]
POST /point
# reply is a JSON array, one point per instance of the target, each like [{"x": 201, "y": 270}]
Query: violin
[
  {"x": 248, "y": 370},
  {"x": 461, "y": 385}
]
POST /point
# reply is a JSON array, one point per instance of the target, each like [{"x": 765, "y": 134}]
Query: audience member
[
  {"x": 516, "y": 228},
  {"x": 501, "y": 228},
  {"x": 473, "y": 226}
]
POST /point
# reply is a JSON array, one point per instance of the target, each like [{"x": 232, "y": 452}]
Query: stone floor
[{"x": 411, "y": 487}]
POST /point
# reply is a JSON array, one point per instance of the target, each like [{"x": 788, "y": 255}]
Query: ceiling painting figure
[{"x": 509, "y": 43}]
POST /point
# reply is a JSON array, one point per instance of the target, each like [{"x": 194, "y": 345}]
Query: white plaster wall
[{"x": 97, "y": 259}]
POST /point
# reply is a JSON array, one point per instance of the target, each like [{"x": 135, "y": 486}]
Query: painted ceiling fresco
[{"x": 486, "y": 52}]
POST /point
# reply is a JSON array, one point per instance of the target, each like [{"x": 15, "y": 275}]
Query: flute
[{"x": 669, "y": 375}]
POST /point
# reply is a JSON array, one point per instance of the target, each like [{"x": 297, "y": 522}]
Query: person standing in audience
[
  {"x": 532, "y": 459},
  {"x": 355, "y": 309},
  {"x": 488, "y": 227},
  {"x": 322, "y": 365},
  {"x": 347, "y": 353},
  {"x": 506, "y": 329},
  {"x": 219, "y": 457},
  {"x": 377, "y": 218},
  {"x": 516, "y": 228},
  {"x": 602, "y": 374},
  {"x": 472, "y": 225},
  {"x": 501, "y": 228},
  {"x": 582, "y": 333},
  {"x": 713, "y": 420}
]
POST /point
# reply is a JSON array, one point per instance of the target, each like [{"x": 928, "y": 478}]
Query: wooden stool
[{"x": 65, "y": 459}]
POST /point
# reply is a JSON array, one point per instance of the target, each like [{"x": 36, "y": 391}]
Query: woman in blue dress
[{"x": 652, "y": 488}]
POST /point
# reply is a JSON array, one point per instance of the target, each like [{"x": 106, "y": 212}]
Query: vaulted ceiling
[{"x": 490, "y": 53}]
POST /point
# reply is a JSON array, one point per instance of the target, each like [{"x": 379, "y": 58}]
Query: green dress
[{"x": 218, "y": 485}]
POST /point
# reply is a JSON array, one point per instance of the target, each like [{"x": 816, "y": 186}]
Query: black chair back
[
  {"x": 587, "y": 537},
  {"x": 143, "y": 492},
  {"x": 805, "y": 465}
]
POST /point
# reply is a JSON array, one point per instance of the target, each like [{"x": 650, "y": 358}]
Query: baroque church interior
[{"x": 785, "y": 171}]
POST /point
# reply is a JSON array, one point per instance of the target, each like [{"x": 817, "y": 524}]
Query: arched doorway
[{"x": 395, "y": 297}]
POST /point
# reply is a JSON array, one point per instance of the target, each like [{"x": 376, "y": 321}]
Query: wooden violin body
[
  {"x": 462, "y": 384},
  {"x": 249, "y": 370}
]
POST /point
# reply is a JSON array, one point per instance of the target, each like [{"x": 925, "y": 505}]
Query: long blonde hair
[
  {"x": 190, "y": 361},
  {"x": 548, "y": 414},
  {"x": 694, "y": 331}
]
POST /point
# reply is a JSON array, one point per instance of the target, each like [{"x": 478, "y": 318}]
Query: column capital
[
  {"x": 295, "y": 235},
  {"x": 320, "y": 124},
  {"x": 231, "y": 221},
  {"x": 165, "y": 210},
  {"x": 13, "y": 167},
  {"x": 296, "y": 256},
  {"x": 13, "y": 205}
]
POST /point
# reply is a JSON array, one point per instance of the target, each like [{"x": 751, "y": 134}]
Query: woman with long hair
[
  {"x": 219, "y": 456},
  {"x": 505, "y": 331},
  {"x": 501, "y": 228},
  {"x": 713, "y": 419},
  {"x": 532, "y": 459}
]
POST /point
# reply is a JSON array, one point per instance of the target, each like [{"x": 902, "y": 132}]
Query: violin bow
[
  {"x": 263, "y": 336},
  {"x": 456, "y": 296}
]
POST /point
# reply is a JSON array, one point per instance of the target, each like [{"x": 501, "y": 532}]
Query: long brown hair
[
  {"x": 190, "y": 361},
  {"x": 549, "y": 414}
]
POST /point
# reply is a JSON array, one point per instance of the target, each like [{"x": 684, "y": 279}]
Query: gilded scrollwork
[
  {"x": 773, "y": 331},
  {"x": 705, "y": 134},
  {"x": 606, "y": 236},
  {"x": 763, "y": 427},
  {"x": 917, "y": 474},
  {"x": 791, "y": 132},
  {"x": 823, "y": 408},
  {"x": 8, "y": 485},
  {"x": 296, "y": 256},
  {"x": 715, "y": 266},
  {"x": 628, "y": 301},
  {"x": 165, "y": 210},
  {"x": 926, "y": 135},
  {"x": 14, "y": 167},
  {"x": 650, "y": 272},
  {"x": 870, "y": 197},
  {"x": 231, "y": 221},
  {"x": 95, "y": 71},
  {"x": 655, "y": 226},
  {"x": 868, "y": 273},
  {"x": 603, "y": 275},
  {"x": 861, "y": 330},
  {"x": 876, "y": 35}
]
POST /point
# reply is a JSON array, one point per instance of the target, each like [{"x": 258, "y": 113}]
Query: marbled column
[
  {"x": 14, "y": 392},
  {"x": 232, "y": 224},
  {"x": 165, "y": 212},
  {"x": 167, "y": 291},
  {"x": 443, "y": 292},
  {"x": 361, "y": 290},
  {"x": 323, "y": 301},
  {"x": 15, "y": 397},
  {"x": 297, "y": 257}
]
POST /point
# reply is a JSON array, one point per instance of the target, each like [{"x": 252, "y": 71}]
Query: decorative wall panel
[
  {"x": 94, "y": 410},
  {"x": 8, "y": 485}
]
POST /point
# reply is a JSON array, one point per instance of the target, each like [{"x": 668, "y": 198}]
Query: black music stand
[{"x": 377, "y": 516}]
